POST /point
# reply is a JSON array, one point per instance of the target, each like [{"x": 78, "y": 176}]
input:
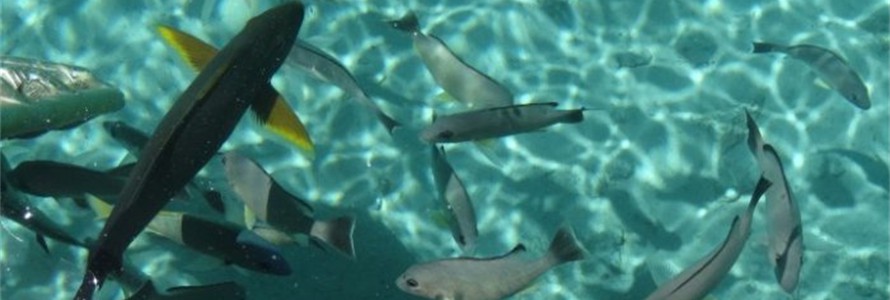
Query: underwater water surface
[{"x": 650, "y": 181}]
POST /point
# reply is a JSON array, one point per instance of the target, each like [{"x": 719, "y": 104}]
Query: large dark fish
[
  {"x": 457, "y": 78},
  {"x": 832, "y": 68},
  {"x": 783, "y": 216},
  {"x": 15, "y": 206},
  {"x": 487, "y": 278},
  {"x": 696, "y": 281},
  {"x": 497, "y": 122},
  {"x": 193, "y": 130},
  {"x": 68, "y": 180}
]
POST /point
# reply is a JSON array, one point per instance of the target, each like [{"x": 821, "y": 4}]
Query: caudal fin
[
  {"x": 574, "y": 116},
  {"x": 766, "y": 47},
  {"x": 407, "y": 23},
  {"x": 387, "y": 121},
  {"x": 337, "y": 233},
  {"x": 565, "y": 247}
]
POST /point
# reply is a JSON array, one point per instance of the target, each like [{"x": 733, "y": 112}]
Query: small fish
[
  {"x": 457, "y": 201},
  {"x": 830, "y": 67},
  {"x": 191, "y": 133},
  {"x": 325, "y": 67},
  {"x": 223, "y": 240},
  {"x": 488, "y": 278},
  {"x": 497, "y": 122},
  {"x": 274, "y": 113},
  {"x": 783, "y": 216},
  {"x": 15, "y": 206},
  {"x": 696, "y": 281},
  {"x": 457, "y": 78},
  {"x": 281, "y": 210},
  {"x": 67, "y": 180},
  {"x": 39, "y": 96}
]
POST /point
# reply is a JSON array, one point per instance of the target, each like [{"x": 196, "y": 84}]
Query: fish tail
[
  {"x": 754, "y": 137},
  {"x": 337, "y": 233},
  {"x": 388, "y": 121},
  {"x": 762, "y": 185},
  {"x": 766, "y": 47},
  {"x": 408, "y": 23},
  {"x": 574, "y": 116},
  {"x": 565, "y": 247}
]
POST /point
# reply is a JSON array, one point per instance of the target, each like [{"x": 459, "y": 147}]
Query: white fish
[
  {"x": 457, "y": 78},
  {"x": 696, "y": 281},
  {"x": 832, "y": 68},
  {"x": 454, "y": 196},
  {"x": 497, "y": 122},
  {"x": 783, "y": 216},
  {"x": 488, "y": 278}
]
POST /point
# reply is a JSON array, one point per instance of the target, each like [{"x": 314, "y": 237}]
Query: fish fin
[
  {"x": 565, "y": 247},
  {"x": 195, "y": 52},
  {"x": 487, "y": 148},
  {"x": 441, "y": 218},
  {"x": 273, "y": 235},
  {"x": 276, "y": 115},
  {"x": 445, "y": 97},
  {"x": 337, "y": 233},
  {"x": 121, "y": 170},
  {"x": 42, "y": 242},
  {"x": 408, "y": 23},
  {"x": 754, "y": 137},
  {"x": 766, "y": 47},
  {"x": 215, "y": 201},
  {"x": 574, "y": 116},
  {"x": 821, "y": 83},
  {"x": 762, "y": 185},
  {"x": 387, "y": 121},
  {"x": 249, "y": 217},
  {"x": 99, "y": 206}
]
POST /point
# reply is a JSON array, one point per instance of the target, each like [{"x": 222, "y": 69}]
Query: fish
[
  {"x": 229, "y": 242},
  {"x": 131, "y": 138},
  {"x": 829, "y": 66},
  {"x": 39, "y": 96},
  {"x": 325, "y": 67},
  {"x": 785, "y": 242},
  {"x": 453, "y": 194},
  {"x": 456, "y": 77},
  {"x": 273, "y": 113},
  {"x": 191, "y": 133},
  {"x": 15, "y": 206},
  {"x": 487, "y": 278},
  {"x": 228, "y": 290},
  {"x": 281, "y": 210},
  {"x": 697, "y": 280},
  {"x": 497, "y": 122},
  {"x": 67, "y": 180}
]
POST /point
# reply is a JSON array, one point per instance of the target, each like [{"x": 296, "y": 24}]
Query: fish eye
[
  {"x": 412, "y": 282},
  {"x": 447, "y": 134}
]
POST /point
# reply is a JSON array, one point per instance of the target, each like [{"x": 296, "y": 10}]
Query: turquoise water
[{"x": 650, "y": 180}]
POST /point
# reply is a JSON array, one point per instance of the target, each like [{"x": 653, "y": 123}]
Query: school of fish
[{"x": 160, "y": 191}]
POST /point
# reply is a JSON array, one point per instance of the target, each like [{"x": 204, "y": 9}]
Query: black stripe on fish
[{"x": 782, "y": 258}]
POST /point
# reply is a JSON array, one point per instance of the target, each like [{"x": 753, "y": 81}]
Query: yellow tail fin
[{"x": 99, "y": 206}]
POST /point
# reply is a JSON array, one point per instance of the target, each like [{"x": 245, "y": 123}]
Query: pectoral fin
[
  {"x": 42, "y": 242},
  {"x": 274, "y": 113}
]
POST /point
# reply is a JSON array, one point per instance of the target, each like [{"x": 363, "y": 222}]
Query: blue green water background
[{"x": 650, "y": 181}]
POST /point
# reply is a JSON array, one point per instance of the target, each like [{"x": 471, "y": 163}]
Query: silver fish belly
[{"x": 497, "y": 122}]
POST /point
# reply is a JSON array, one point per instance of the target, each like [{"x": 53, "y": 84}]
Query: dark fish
[
  {"x": 67, "y": 180},
  {"x": 193, "y": 130},
  {"x": 274, "y": 113},
  {"x": 131, "y": 138},
  {"x": 457, "y": 78},
  {"x": 273, "y": 205},
  {"x": 696, "y": 281},
  {"x": 783, "y": 215},
  {"x": 228, "y": 290},
  {"x": 832, "y": 68},
  {"x": 15, "y": 206},
  {"x": 39, "y": 96},
  {"x": 497, "y": 122},
  {"x": 487, "y": 278},
  {"x": 455, "y": 198},
  {"x": 325, "y": 67}
]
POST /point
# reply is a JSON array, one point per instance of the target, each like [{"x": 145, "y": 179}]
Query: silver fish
[
  {"x": 457, "y": 201},
  {"x": 832, "y": 68},
  {"x": 325, "y": 67},
  {"x": 456, "y": 77},
  {"x": 697, "y": 280},
  {"x": 783, "y": 216},
  {"x": 38, "y": 96},
  {"x": 497, "y": 122},
  {"x": 281, "y": 210},
  {"x": 488, "y": 278}
]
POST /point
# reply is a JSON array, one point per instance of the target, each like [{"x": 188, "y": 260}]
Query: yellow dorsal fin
[
  {"x": 99, "y": 206},
  {"x": 280, "y": 119},
  {"x": 194, "y": 51},
  {"x": 249, "y": 218}
]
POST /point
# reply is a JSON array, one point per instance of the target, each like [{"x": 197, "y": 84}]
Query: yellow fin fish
[{"x": 279, "y": 118}]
